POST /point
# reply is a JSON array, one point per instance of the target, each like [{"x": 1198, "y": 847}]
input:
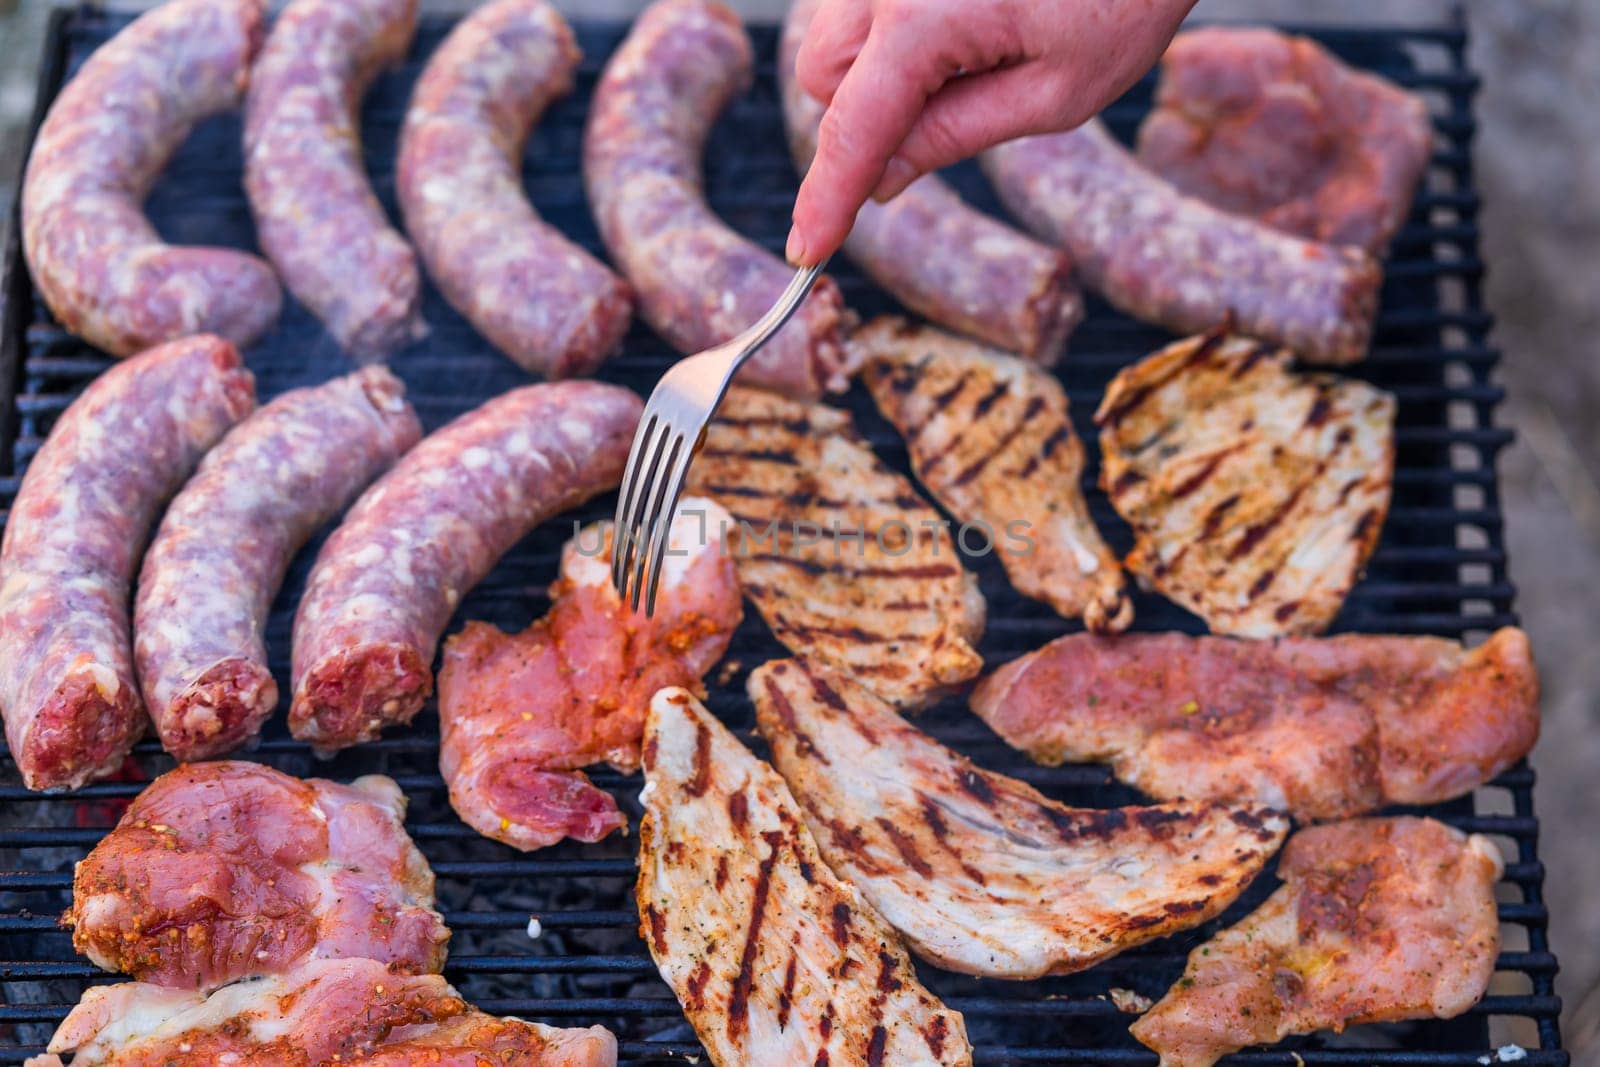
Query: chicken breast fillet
[
  {"x": 990, "y": 437},
  {"x": 1324, "y": 727},
  {"x": 980, "y": 872},
  {"x": 839, "y": 554},
  {"x": 1255, "y": 493},
  {"x": 519, "y": 714},
  {"x": 218, "y": 871},
  {"x": 774, "y": 959},
  {"x": 324, "y": 1012},
  {"x": 1379, "y": 919}
]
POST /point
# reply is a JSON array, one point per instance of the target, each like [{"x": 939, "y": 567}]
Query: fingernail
[
  {"x": 795, "y": 250},
  {"x": 897, "y": 174}
]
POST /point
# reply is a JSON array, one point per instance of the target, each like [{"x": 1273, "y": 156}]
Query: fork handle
[{"x": 779, "y": 313}]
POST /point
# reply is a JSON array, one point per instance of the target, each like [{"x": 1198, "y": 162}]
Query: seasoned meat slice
[
  {"x": 1379, "y": 919},
  {"x": 1325, "y": 727},
  {"x": 1255, "y": 493},
  {"x": 990, "y": 438},
  {"x": 839, "y": 554},
  {"x": 349, "y": 1012},
  {"x": 774, "y": 959},
  {"x": 222, "y": 870},
  {"x": 521, "y": 713},
  {"x": 1274, "y": 126},
  {"x": 980, "y": 872}
]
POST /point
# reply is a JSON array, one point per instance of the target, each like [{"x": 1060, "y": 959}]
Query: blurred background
[{"x": 1538, "y": 165}]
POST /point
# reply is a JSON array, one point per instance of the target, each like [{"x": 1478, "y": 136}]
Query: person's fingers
[
  {"x": 834, "y": 37},
  {"x": 972, "y": 113},
  {"x": 876, "y": 104}
]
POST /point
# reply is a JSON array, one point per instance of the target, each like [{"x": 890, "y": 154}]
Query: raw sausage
[
  {"x": 226, "y": 542},
  {"x": 86, "y": 505},
  {"x": 936, "y": 254},
  {"x": 549, "y": 305},
  {"x": 101, "y": 267},
  {"x": 1178, "y": 262},
  {"x": 318, "y": 219},
  {"x": 389, "y": 578},
  {"x": 698, "y": 282}
]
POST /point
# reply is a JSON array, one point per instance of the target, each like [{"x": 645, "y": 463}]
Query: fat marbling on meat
[
  {"x": 219, "y": 871},
  {"x": 1275, "y": 126}
]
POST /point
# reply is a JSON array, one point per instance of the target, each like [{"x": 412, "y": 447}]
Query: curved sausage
[
  {"x": 554, "y": 309},
  {"x": 938, "y": 255},
  {"x": 389, "y": 578},
  {"x": 67, "y": 686},
  {"x": 1178, "y": 262},
  {"x": 99, "y": 264},
  {"x": 226, "y": 542},
  {"x": 698, "y": 282},
  {"x": 315, "y": 211}
]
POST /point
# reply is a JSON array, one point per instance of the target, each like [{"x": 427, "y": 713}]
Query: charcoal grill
[{"x": 1440, "y": 568}]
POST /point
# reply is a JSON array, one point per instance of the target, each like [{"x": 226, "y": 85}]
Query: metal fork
[{"x": 670, "y": 432}]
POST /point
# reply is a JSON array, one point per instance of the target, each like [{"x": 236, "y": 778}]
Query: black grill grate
[{"x": 1441, "y": 568}]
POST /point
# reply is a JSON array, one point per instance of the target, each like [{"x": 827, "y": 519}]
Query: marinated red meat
[
  {"x": 219, "y": 871},
  {"x": 354, "y": 1013},
  {"x": 1264, "y": 124},
  {"x": 520, "y": 713},
  {"x": 1323, "y": 727}
]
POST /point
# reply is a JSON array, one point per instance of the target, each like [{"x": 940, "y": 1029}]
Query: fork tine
[
  {"x": 653, "y": 502},
  {"x": 661, "y": 533},
  {"x": 643, "y": 459}
]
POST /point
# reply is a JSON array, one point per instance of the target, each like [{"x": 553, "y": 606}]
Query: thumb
[{"x": 972, "y": 113}]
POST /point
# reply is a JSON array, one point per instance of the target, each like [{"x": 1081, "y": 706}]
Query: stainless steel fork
[{"x": 670, "y": 433}]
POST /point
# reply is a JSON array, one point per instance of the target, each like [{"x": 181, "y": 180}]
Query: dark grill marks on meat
[
  {"x": 991, "y": 438},
  {"x": 782, "y": 963},
  {"x": 981, "y": 873},
  {"x": 841, "y": 557},
  {"x": 739, "y": 998},
  {"x": 1268, "y": 491}
]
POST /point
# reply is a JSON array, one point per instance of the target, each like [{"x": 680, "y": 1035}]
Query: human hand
[{"x": 915, "y": 85}]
